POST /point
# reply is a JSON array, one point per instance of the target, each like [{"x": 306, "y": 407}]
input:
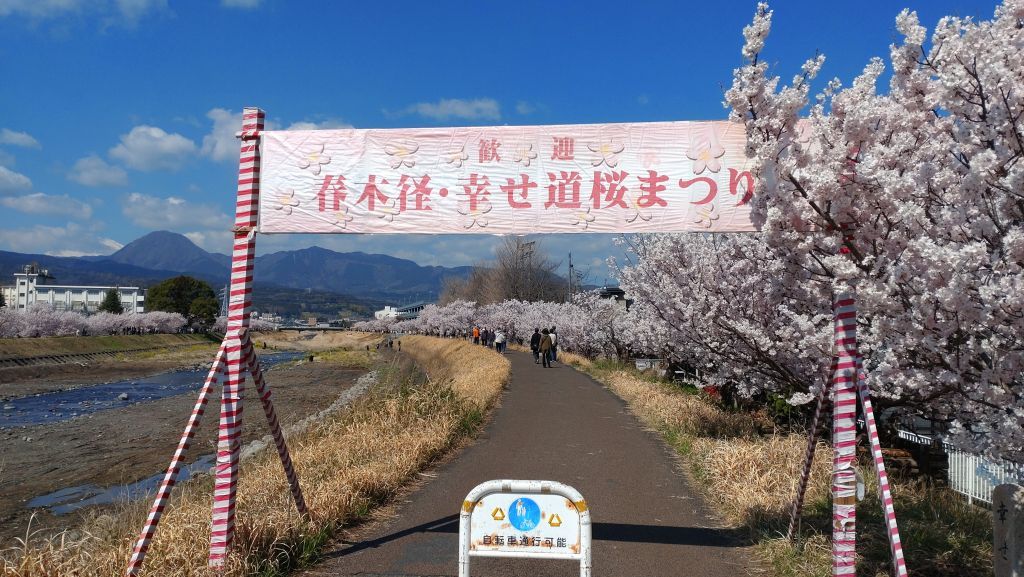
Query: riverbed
[
  {"x": 121, "y": 445},
  {"x": 81, "y": 399}
]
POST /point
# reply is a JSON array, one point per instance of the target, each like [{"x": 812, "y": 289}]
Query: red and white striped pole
[
  {"x": 893, "y": 532},
  {"x": 164, "y": 492},
  {"x": 812, "y": 444},
  {"x": 239, "y": 307},
  {"x": 844, "y": 438},
  {"x": 263, "y": 390}
]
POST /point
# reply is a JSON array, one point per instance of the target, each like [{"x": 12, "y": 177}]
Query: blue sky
[{"x": 117, "y": 117}]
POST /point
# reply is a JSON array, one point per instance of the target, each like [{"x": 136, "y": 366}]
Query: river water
[
  {"x": 48, "y": 408},
  {"x": 73, "y": 498}
]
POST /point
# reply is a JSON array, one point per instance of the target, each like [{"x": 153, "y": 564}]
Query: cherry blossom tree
[
  {"x": 40, "y": 320},
  {"x": 911, "y": 195},
  {"x": 715, "y": 304}
]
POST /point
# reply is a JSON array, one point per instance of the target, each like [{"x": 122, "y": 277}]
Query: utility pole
[
  {"x": 523, "y": 273},
  {"x": 224, "y": 302},
  {"x": 570, "y": 277}
]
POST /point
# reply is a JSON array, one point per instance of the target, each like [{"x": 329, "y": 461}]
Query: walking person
[
  {"x": 545, "y": 348},
  {"x": 554, "y": 345},
  {"x": 499, "y": 341},
  {"x": 476, "y": 335},
  {"x": 535, "y": 346}
]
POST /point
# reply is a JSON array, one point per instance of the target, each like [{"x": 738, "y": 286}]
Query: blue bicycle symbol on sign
[{"x": 524, "y": 514}]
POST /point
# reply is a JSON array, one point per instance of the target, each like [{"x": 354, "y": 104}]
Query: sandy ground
[{"x": 124, "y": 445}]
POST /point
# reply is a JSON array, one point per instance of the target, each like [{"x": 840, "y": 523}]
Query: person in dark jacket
[
  {"x": 545, "y": 349},
  {"x": 535, "y": 345}
]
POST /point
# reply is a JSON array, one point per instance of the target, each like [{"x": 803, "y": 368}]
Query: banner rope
[
  {"x": 812, "y": 443},
  {"x": 263, "y": 390},
  {"x": 892, "y": 531},
  {"x": 163, "y": 494}
]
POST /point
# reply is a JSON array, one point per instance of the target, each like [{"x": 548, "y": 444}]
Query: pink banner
[{"x": 641, "y": 177}]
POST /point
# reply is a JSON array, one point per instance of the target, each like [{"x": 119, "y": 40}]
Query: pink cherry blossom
[{"x": 314, "y": 159}]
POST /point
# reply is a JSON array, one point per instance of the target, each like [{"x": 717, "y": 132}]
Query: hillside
[
  {"x": 162, "y": 250},
  {"x": 313, "y": 279}
]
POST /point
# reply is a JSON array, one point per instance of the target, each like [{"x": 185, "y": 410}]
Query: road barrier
[{"x": 532, "y": 519}]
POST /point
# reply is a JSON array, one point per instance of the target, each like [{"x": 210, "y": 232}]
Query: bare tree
[{"x": 520, "y": 270}]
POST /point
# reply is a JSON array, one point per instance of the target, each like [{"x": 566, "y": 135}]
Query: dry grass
[
  {"x": 661, "y": 406},
  {"x": 479, "y": 381},
  {"x": 73, "y": 345},
  {"x": 754, "y": 480},
  {"x": 316, "y": 340},
  {"x": 346, "y": 464},
  {"x": 751, "y": 480}
]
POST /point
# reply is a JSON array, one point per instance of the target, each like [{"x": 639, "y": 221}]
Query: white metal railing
[
  {"x": 975, "y": 476},
  {"x": 970, "y": 474},
  {"x": 915, "y": 438}
]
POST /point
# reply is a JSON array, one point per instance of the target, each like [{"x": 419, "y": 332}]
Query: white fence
[
  {"x": 975, "y": 476},
  {"x": 969, "y": 474}
]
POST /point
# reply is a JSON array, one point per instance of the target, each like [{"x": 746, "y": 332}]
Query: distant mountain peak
[{"x": 165, "y": 250}]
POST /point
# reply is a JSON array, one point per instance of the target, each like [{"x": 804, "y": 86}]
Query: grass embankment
[
  {"x": 751, "y": 479},
  {"x": 347, "y": 465},
  {"x": 98, "y": 344}
]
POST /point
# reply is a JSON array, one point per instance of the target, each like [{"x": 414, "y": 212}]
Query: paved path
[{"x": 557, "y": 424}]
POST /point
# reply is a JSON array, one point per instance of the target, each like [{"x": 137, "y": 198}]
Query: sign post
[
  {"x": 235, "y": 359},
  {"x": 844, "y": 438},
  {"x": 1008, "y": 530},
  {"x": 532, "y": 519}
]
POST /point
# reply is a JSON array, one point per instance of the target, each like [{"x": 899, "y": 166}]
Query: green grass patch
[{"x": 357, "y": 359}]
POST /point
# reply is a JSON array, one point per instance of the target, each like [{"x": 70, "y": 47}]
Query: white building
[
  {"x": 31, "y": 286},
  {"x": 409, "y": 311}
]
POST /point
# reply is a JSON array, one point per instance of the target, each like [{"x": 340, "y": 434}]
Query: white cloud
[
  {"x": 94, "y": 171},
  {"x": 212, "y": 240},
  {"x": 49, "y": 205},
  {"x": 112, "y": 244},
  {"x": 132, "y": 10},
  {"x": 221, "y": 143},
  {"x": 115, "y": 12},
  {"x": 11, "y": 181},
  {"x": 172, "y": 213},
  {"x": 524, "y": 108},
  {"x": 39, "y": 9},
  {"x": 247, "y": 4},
  {"x": 71, "y": 240},
  {"x": 322, "y": 125},
  {"x": 129, "y": 12},
  {"x": 14, "y": 138},
  {"x": 446, "y": 108},
  {"x": 150, "y": 148}
]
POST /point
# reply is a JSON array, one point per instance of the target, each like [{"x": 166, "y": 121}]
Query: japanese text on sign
[
  {"x": 641, "y": 177},
  {"x": 510, "y": 522}
]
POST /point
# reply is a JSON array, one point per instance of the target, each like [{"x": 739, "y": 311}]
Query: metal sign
[{"x": 536, "y": 519}]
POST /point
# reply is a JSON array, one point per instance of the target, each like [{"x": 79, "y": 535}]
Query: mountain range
[{"x": 361, "y": 281}]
